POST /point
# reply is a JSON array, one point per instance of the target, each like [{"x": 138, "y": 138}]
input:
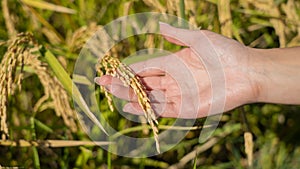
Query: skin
[{"x": 251, "y": 75}]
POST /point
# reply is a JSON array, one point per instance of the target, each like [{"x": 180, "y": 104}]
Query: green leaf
[
  {"x": 67, "y": 83},
  {"x": 43, "y": 126},
  {"x": 195, "y": 162},
  {"x": 36, "y": 158}
]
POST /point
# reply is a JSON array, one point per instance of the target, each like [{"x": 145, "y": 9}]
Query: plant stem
[
  {"x": 182, "y": 9},
  {"x": 36, "y": 159}
]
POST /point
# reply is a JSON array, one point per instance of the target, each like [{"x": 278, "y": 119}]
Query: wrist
[
  {"x": 275, "y": 73},
  {"x": 257, "y": 71}
]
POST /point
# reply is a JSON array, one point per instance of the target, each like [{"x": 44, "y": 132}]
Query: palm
[{"x": 235, "y": 60}]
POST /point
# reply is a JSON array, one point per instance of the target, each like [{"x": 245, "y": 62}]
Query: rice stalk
[
  {"x": 52, "y": 143},
  {"x": 295, "y": 41},
  {"x": 225, "y": 17},
  {"x": 8, "y": 21},
  {"x": 156, "y": 5},
  {"x": 127, "y": 7},
  {"x": 112, "y": 66},
  {"x": 48, "y": 6},
  {"x": 24, "y": 51},
  {"x": 171, "y": 7},
  {"x": 149, "y": 43},
  {"x": 293, "y": 18},
  {"x": 190, "y": 8},
  {"x": 271, "y": 9}
]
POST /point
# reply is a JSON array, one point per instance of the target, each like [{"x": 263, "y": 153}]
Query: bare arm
[{"x": 278, "y": 74}]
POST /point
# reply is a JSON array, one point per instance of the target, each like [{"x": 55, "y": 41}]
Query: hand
[{"x": 179, "y": 84}]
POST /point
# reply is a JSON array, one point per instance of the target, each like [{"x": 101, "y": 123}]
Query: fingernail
[{"x": 97, "y": 80}]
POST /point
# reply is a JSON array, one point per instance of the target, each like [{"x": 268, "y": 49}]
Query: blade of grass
[
  {"x": 43, "y": 126},
  {"x": 66, "y": 81},
  {"x": 182, "y": 9},
  {"x": 150, "y": 163},
  {"x": 48, "y": 6},
  {"x": 109, "y": 158},
  {"x": 195, "y": 162},
  {"x": 36, "y": 159}
]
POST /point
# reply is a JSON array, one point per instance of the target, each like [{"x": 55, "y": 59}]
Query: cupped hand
[{"x": 179, "y": 84}]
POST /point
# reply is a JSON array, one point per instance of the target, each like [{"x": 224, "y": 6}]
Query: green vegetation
[{"x": 39, "y": 128}]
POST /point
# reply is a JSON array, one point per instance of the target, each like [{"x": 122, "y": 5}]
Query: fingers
[
  {"x": 154, "y": 82},
  {"x": 158, "y": 66},
  {"x": 175, "y": 35},
  {"x": 151, "y": 72},
  {"x": 106, "y": 80},
  {"x": 158, "y": 99},
  {"x": 160, "y": 109},
  {"x": 133, "y": 108},
  {"x": 116, "y": 87}
]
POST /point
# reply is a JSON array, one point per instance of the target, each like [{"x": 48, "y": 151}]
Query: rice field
[{"x": 40, "y": 42}]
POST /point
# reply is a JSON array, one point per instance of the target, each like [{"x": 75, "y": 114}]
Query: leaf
[
  {"x": 48, "y": 6},
  {"x": 67, "y": 83},
  {"x": 195, "y": 162},
  {"x": 43, "y": 126}
]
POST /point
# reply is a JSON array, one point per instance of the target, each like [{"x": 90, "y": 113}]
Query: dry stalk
[
  {"x": 112, "y": 66},
  {"x": 8, "y": 20},
  {"x": 24, "y": 51},
  {"x": 269, "y": 7},
  {"x": 156, "y": 5},
  {"x": 225, "y": 17},
  {"x": 52, "y": 143},
  {"x": 249, "y": 147}
]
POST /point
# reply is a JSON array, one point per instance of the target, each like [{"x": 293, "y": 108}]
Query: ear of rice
[
  {"x": 112, "y": 66},
  {"x": 24, "y": 51}
]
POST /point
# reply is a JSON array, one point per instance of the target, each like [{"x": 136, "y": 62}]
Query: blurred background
[{"x": 41, "y": 40}]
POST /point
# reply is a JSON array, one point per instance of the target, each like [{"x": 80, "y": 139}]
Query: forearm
[{"x": 277, "y": 75}]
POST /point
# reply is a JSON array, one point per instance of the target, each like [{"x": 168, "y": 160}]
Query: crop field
[{"x": 40, "y": 42}]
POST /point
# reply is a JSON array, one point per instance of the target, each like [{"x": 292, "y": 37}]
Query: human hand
[{"x": 179, "y": 84}]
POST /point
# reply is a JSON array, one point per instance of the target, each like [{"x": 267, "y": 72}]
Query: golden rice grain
[{"x": 112, "y": 66}]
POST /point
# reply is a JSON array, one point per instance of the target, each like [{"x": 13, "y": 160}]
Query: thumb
[{"x": 175, "y": 35}]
